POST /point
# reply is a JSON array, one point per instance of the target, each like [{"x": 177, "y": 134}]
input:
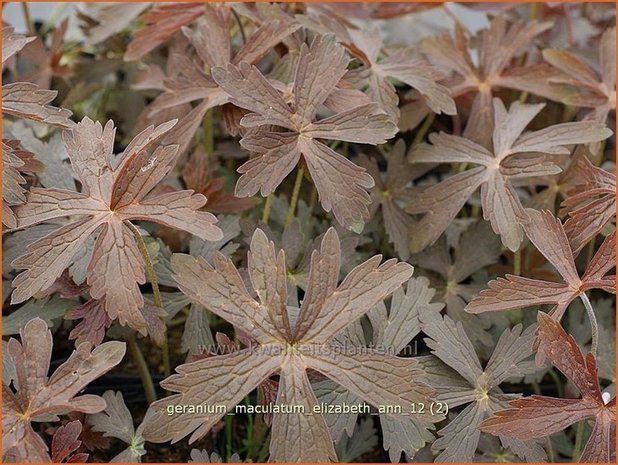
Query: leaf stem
[
  {"x": 579, "y": 440},
  {"x": 593, "y": 323},
  {"x": 25, "y": 8},
  {"x": 209, "y": 143},
  {"x": 424, "y": 129},
  {"x": 141, "y": 245},
  {"x": 228, "y": 437},
  {"x": 264, "y": 450},
  {"x": 517, "y": 262},
  {"x": 556, "y": 379},
  {"x": 142, "y": 368},
  {"x": 313, "y": 198},
  {"x": 550, "y": 450},
  {"x": 266, "y": 211},
  {"x": 240, "y": 26},
  {"x": 294, "y": 200}
]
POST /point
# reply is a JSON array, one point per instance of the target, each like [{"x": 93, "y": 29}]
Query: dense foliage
[{"x": 310, "y": 232}]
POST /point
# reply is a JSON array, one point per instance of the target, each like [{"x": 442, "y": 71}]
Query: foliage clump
[{"x": 319, "y": 232}]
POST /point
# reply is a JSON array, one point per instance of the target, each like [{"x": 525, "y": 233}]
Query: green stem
[
  {"x": 476, "y": 211},
  {"x": 523, "y": 97},
  {"x": 556, "y": 379},
  {"x": 209, "y": 143},
  {"x": 294, "y": 200},
  {"x": 142, "y": 368},
  {"x": 579, "y": 440},
  {"x": 266, "y": 211},
  {"x": 25, "y": 8},
  {"x": 593, "y": 323},
  {"x": 264, "y": 450},
  {"x": 517, "y": 262},
  {"x": 313, "y": 198},
  {"x": 249, "y": 425},
  {"x": 536, "y": 388},
  {"x": 534, "y": 11},
  {"x": 228, "y": 437},
  {"x": 550, "y": 450},
  {"x": 424, "y": 129},
  {"x": 141, "y": 245},
  {"x": 240, "y": 26}
]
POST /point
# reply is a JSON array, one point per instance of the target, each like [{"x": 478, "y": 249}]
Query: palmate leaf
[
  {"x": 458, "y": 441},
  {"x": 114, "y": 192},
  {"x": 377, "y": 70},
  {"x": 116, "y": 422},
  {"x": 540, "y": 416},
  {"x": 191, "y": 80},
  {"x": 406, "y": 66},
  {"x": 341, "y": 185},
  {"x": 547, "y": 234},
  {"x": 38, "y": 396},
  {"x": 392, "y": 191},
  {"x": 590, "y": 205},
  {"x": 161, "y": 22},
  {"x": 285, "y": 345},
  {"x": 197, "y": 333},
  {"x": 514, "y": 155},
  {"x": 476, "y": 248},
  {"x": 24, "y": 99},
  {"x": 393, "y": 329},
  {"x": 578, "y": 84},
  {"x": 498, "y": 46}
]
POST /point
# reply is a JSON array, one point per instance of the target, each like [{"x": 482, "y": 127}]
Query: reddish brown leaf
[
  {"x": 498, "y": 46},
  {"x": 94, "y": 322},
  {"x": 28, "y": 101},
  {"x": 539, "y": 416},
  {"x": 65, "y": 442},
  {"x": 510, "y": 159},
  {"x": 590, "y": 205},
  {"x": 341, "y": 185},
  {"x": 191, "y": 80},
  {"x": 39, "y": 395},
  {"x": 276, "y": 348},
  {"x": 459, "y": 440},
  {"x": 580, "y": 85},
  {"x": 161, "y": 23},
  {"x": 547, "y": 234},
  {"x": 115, "y": 191}
]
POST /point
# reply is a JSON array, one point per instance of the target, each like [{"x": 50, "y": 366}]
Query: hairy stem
[
  {"x": 593, "y": 323},
  {"x": 266, "y": 211},
  {"x": 25, "y": 8},
  {"x": 141, "y": 245},
  {"x": 294, "y": 200},
  {"x": 142, "y": 368}
]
